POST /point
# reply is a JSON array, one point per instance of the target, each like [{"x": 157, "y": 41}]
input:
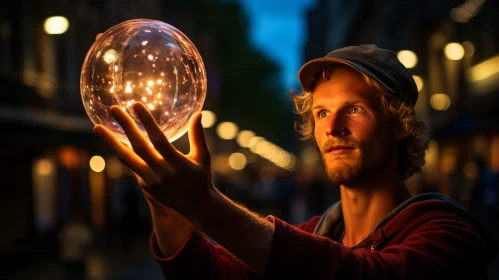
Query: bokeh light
[
  {"x": 56, "y": 25},
  {"x": 484, "y": 69},
  {"x": 115, "y": 168},
  {"x": 44, "y": 167},
  {"x": 454, "y": 51},
  {"x": 237, "y": 161},
  {"x": 209, "y": 118},
  {"x": 227, "y": 130},
  {"x": 408, "y": 58},
  {"x": 469, "y": 49},
  {"x": 254, "y": 142},
  {"x": 419, "y": 82},
  {"x": 97, "y": 164},
  {"x": 440, "y": 101},
  {"x": 244, "y": 137}
]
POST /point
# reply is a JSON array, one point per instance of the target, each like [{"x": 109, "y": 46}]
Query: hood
[{"x": 332, "y": 220}]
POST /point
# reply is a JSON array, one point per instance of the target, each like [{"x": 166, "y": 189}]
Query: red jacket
[{"x": 429, "y": 236}]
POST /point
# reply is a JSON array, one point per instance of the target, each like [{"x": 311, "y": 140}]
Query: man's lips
[{"x": 338, "y": 149}]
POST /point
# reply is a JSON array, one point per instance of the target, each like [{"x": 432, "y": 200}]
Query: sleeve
[
  {"x": 199, "y": 258},
  {"x": 437, "y": 249}
]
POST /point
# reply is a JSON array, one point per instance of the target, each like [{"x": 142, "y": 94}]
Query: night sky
[{"x": 278, "y": 28}]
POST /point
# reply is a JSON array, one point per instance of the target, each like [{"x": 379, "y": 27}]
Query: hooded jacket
[{"x": 429, "y": 236}]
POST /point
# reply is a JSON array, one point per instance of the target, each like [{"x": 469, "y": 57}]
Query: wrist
[
  {"x": 160, "y": 212},
  {"x": 202, "y": 211}
]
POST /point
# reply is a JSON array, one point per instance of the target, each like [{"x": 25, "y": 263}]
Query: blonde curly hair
[{"x": 411, "y": 156}]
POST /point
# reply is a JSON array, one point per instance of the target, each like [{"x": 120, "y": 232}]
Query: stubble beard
[
  {"x": 346, "y": 174},
  {"x": 353, "y": 171}
]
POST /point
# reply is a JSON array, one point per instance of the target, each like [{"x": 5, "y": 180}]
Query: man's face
[{"x": 355, "y": 136}]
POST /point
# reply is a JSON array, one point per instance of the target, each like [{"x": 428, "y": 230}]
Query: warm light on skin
[
  {"x": 419, "y": 82},
  {"x": 347, "y": 113},
  {"x": 408, "y": 58},
  {"x": 237, "y": 161},
  {"x": 209, "y": 118},
  {"x": 97, "y": 164},
  {"x": 440, "y": 101},
  {"x": 244, "y": 137},
  {"x": 454, "y": 51},
  {"x": 56, "y": 25},
  {"x": 227, "y": 130}
]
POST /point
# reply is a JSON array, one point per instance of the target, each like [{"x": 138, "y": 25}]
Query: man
[{"x": 358, "y": 105}]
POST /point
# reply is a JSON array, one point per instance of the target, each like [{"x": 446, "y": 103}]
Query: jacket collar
[{"x": 333, "y": 217}]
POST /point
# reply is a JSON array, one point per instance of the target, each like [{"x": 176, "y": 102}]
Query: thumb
[{"x": 198, "y": 147}]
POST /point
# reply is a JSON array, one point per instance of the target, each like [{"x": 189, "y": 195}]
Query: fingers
[
  {"x": 198, "y": 147},
  {"x": 127, "y": 156},
  {"x": 98, "y": 36},
  {"x": 156, "y": 135},
  {"x": 139, "y": 143}
]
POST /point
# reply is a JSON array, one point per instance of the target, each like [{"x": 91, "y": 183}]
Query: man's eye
[
  {"x": 322, "y": 114},
  {"x": 356, "y": 110}
]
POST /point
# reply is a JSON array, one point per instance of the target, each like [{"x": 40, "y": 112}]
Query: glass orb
[{"x": 146, "y": 61}]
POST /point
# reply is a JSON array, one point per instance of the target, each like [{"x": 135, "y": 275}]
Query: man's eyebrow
[
  {"x": 348, "y": 102},
  {"x": 318, "y": 107},
  {"x": 355, "y": 101}
]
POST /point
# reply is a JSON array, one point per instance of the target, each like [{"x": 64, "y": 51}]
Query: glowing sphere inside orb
[{"x": 146, "y": 61}]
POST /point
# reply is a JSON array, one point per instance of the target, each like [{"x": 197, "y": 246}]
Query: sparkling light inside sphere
[{"x": 146, "y": 61}]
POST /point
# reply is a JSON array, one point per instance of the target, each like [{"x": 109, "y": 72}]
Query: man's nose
[{"x": 336, "y": 127}]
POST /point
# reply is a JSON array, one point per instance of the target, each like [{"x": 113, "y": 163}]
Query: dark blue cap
[{"x": 380, "y": 64}]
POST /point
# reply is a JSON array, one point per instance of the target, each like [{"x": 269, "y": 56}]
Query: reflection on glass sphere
[{"x": 145, "y": 61}]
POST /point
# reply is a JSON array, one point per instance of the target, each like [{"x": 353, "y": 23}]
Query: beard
[{"x": 353, "y": 169}]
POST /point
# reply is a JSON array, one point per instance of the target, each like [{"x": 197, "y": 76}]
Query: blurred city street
[{"x": 132, "y": 262}]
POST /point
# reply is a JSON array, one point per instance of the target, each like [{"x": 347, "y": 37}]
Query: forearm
[
  {"x": 171, "y": 229},
  {"x": 242, "y": 232}
]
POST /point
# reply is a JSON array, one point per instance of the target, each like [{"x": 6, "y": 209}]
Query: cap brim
[{"x": 308, "y": 72}]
